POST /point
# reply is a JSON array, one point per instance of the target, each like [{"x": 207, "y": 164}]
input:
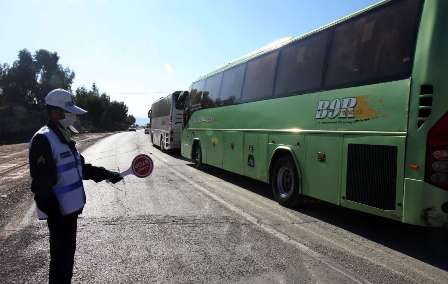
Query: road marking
[
  {"x": 307, "y": 227},
  {"x": 267, "y": 228},
  {"x": 302, "y": 224}
]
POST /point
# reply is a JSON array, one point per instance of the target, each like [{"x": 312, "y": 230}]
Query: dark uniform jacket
[{"x": 44, "y": 175}]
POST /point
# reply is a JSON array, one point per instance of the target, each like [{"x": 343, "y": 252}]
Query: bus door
[
  {"x": 255, "y": 155},
  {"x": 233, "y": 151},
  {"x": 213, "y": 148},
  {"x": 322, "y": 167},
  {"x": 179, "y": 101},
  {"x": 176, "y": 118}
]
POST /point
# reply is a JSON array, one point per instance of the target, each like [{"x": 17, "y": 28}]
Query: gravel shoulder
[{"x": 15, "y": 194}]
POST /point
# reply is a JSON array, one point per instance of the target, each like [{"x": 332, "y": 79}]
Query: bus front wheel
[
  {"x": 197, "y": 156},
  {"x": 285, "y": 182}
]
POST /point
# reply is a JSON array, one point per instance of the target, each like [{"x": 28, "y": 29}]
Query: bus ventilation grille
[
  {"x": 372, "y": 174},
  {"x": 425, "y": 103}
]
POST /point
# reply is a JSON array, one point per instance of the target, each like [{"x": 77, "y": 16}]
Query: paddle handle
[{"x": 127, "y": 172}]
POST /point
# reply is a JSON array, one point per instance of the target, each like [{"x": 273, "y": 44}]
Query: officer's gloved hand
[
  {"x": 114, "y": 177},
  {"x": 98, "y": 174}
]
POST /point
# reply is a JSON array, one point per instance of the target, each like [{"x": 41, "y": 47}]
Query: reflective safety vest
[{"x": 69, "y": 189}]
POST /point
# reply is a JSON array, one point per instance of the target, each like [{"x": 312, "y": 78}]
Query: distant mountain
[{"x": 141, "y": 120}]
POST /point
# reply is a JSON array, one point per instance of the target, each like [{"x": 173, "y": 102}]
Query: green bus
[{"x": 353, "y": 113}]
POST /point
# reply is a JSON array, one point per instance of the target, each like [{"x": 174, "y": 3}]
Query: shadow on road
[
  {"x": 175, "y": 154},
  {"x": 429, "y": 245}
]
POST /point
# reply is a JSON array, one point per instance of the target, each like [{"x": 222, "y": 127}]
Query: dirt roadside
[{"x": 15, "y": 194}]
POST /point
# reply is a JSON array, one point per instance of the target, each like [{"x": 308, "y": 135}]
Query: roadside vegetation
[{"x": 24, "y": 85}]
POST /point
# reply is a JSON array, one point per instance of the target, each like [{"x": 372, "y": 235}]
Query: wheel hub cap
[{"x": 285, "y": 181}]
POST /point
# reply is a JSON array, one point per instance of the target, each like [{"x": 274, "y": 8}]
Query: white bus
[{"x": 166, "y": 116}]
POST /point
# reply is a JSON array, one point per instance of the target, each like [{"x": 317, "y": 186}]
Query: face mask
[{"x": 69, "y": 120}]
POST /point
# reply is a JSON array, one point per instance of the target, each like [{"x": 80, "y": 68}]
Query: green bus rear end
[{"x": 425, "y": 190}]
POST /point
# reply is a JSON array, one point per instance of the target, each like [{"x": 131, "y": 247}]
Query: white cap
[{"x": 64, "y": 100}]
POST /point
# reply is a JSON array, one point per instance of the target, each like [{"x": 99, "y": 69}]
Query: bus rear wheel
[
  {"x": 285, "y": 182},
  {"x": 197, "y": 156}
]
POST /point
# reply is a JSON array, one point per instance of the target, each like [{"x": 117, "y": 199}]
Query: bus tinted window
[
  {"x": 232, "y": 82},
  {"x": 161, "y": 108},
  {"x": 196, "y": 95},
  {"x": 374, "y": 47},
  {"x": 260, "y": 77},
  {"x": 300, "y": 65},
  {"x": 211, "y": 90}
]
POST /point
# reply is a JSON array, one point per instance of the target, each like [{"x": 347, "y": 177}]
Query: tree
[
  {"x": 130, "y": 120},
  {"x": 51, "y": 75},
  {"x": 2, "y": 72},
  {"x": 30, "y": 78},
  {"x": 103, "y": 114},
  {"x": 18, "y": 81}
]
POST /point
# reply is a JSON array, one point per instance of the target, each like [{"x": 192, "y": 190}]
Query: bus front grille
[{"x": 371, "y": 175}]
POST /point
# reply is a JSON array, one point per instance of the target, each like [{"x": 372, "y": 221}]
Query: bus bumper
[{"x": 422, "y": 204}]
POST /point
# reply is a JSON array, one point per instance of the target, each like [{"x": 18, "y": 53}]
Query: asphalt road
[{"x": 186, "y": 225}]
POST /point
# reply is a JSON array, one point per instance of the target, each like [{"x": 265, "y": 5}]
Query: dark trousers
[{"x": 62, "y": 247}]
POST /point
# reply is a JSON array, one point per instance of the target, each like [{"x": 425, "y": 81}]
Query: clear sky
[{"x": 137, "y": 51}]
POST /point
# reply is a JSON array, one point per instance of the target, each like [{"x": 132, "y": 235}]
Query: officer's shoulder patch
[
  {"x": 41, "y": 160},
  {"x": 65, "y": 154}
]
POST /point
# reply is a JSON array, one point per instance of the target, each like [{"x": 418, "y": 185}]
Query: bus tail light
[{"x": 437, "y": 154}]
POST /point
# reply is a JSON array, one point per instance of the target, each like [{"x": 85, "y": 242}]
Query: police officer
[{"x": 57, "y": 170}]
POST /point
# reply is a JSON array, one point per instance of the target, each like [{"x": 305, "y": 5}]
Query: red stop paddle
[{"x": 141, "y": 167}]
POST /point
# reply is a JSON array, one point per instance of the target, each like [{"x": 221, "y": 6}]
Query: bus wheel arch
[{"x": 285, "y": 178}]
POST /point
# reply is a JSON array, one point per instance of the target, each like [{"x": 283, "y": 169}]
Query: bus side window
[
  {"x": 259, "y": 80},
  {"x": 374, "y": 47},
  {"x": 163, "y": 107},
  {"x": 301, "y": 64},
  {"x": 211, "y": 91},
  {"x": 196, "y": 95},
  {"x": 232, "y": 83}
]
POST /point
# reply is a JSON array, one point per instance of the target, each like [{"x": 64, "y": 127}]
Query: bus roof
[
  {"x": 170, "y": 94},
  {"x": 287, "y": 40}
]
